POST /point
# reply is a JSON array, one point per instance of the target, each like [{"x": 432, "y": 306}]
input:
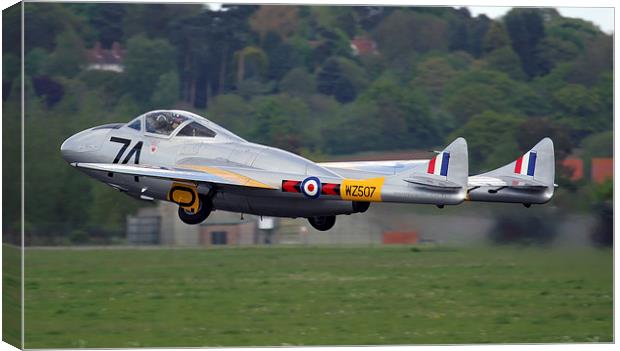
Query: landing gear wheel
[
  {"x": 322, "y": 223},
  {"x": 204, "y": 210}
]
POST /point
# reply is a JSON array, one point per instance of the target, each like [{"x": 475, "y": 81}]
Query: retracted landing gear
[
  {"x": 322, "y": 223},
  {"x": 204, "y": 210}
]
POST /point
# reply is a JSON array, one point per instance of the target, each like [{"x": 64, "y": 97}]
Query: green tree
[
  {"x": 432, "y": 74},
  {"x": 332, "y": 81},
  {"x": 44, "y": 23},
  {"x": 603, "y": 191},
  {"x": 424, "y": 33},
  {"x": 353, "y": 73},
  {"x": 342, "y": 17},
  {"x": 404, "y": 112},
  {"x": 356, "y": 128},
  {"x": 150, "y": 20},
  {"x": 533, "y": 129},
  {"x": 283, "y": 121},
  {"x": 11, "y": 160},
  {"x": 574, "y": 30},
  {"x": 107, "y": 21},
  {"x": 553, "y": 51},
  {"x": 69, "y": 56},
  {"x": 109, "y": 208},
  {"x": 604, "y": 89},
  {"x": 11, "y": 69},
  {"x": 490, "y": 138},
  {"x": 34, "y": 62},
  {"x": 476, "y": 91},
  {"x": 166, "y": 92},
  {"x": 332, "y": 42},
  {"x": 126, "y": 109},
  {"x": 526, "y": 30},
  {"x": 575, "y": 99},
  {"x": 298, "y": 82},
  {"x": 505, "y": 60},
  {"x": 251, "y": 62},
  {"x": 146, "y": 61},
  {"x": 279, "y": 19},
  {"x": 495, "y": 38},
  {"x": 205, "y": 45},
  {"x": 232, "y": 112},
  {"x": 595, "y": 60},
  {"x": 285, "y": 55},
  {"x": 598, "y": 145}
]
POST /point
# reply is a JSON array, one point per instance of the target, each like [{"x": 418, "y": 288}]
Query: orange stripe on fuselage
[{"x": 232, "y": 176}]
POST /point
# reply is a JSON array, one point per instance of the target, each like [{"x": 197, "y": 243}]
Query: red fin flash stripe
[
  {"x": 518, "y": 165},
  {"x": 291, "y": 186},
  {"x": 431, "y": 166},
  {"x": 330, "y": 189}
]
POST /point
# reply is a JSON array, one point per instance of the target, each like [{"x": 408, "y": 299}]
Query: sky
[{"x": 602, "y": 17}]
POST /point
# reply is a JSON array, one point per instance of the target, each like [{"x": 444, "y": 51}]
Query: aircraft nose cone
[
  {"x": 68, "y": 150},
  {"x": 83, "y": 146}
]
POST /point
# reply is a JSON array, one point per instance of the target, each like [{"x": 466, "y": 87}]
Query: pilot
[
  {"x": 161, "y": 122},
  {"x": 177, "y": 121}
]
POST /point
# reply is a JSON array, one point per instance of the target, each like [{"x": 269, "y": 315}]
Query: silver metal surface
[{"x": 245, "y": 177}]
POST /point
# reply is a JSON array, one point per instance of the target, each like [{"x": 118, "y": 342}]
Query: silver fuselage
[{"x": 267, "y": 165}]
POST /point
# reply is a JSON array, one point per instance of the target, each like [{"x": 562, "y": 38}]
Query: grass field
[
  {"x": 316, "y": 296},
  {"x": 11, "y": 295}
]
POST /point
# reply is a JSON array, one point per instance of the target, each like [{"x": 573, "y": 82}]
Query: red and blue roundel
[{"x": 311, "y": 187}]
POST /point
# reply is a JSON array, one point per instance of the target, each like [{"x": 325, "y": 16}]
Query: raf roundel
[{"x": 311, "y": 187}]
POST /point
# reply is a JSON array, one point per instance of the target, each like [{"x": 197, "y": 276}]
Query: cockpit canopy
[
  {"x": 163, "y": 122},
  {"x": 181, "y": 124}
]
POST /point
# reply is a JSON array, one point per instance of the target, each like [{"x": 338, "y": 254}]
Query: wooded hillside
[{"x": 288, "y": 76}]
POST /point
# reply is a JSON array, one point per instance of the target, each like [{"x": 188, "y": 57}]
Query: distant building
[
  {"x": 227, "y": 228},
  {"x": 160, "y": 225},
  {"x": 602, "y": 169},
  {"x": 362, "y": 46},
  {"x": 575, "y": 167},
  {"x": 101, "y": 59},
  {"x": 400, "y": 237},
  {"x": 144, "y": 229}
]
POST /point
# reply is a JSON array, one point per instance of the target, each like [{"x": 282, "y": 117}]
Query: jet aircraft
[{"x": 184, "y": 158}]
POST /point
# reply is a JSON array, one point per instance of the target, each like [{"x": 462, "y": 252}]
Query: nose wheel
[
  {"x": 322, "y": 223},
  {"x": 204, "y": 210}
]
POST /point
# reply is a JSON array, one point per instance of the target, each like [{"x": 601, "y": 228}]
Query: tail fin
[
  {"x": 527, "y": 180},
  {"x": 449, "y": 169},
  {"x": 537, "y": 165}
]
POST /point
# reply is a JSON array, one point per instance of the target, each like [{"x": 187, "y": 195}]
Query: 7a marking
[{"x": 134, "y": 151}]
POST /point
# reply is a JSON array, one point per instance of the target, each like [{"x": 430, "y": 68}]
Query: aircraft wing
[
  {"x": 503, "y": 181},
  {"x": 214, "y": 175},
  {"x": 386, "y": 167}
]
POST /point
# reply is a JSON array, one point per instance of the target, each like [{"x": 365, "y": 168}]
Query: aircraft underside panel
[
  {"x": 282, "y": 207},
  {"x": 513, "y": 195}
]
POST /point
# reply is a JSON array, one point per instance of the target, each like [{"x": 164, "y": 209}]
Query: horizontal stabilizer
[
  {"x": 506, "y": 181},
  {"x": 432, "y": 182}
]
